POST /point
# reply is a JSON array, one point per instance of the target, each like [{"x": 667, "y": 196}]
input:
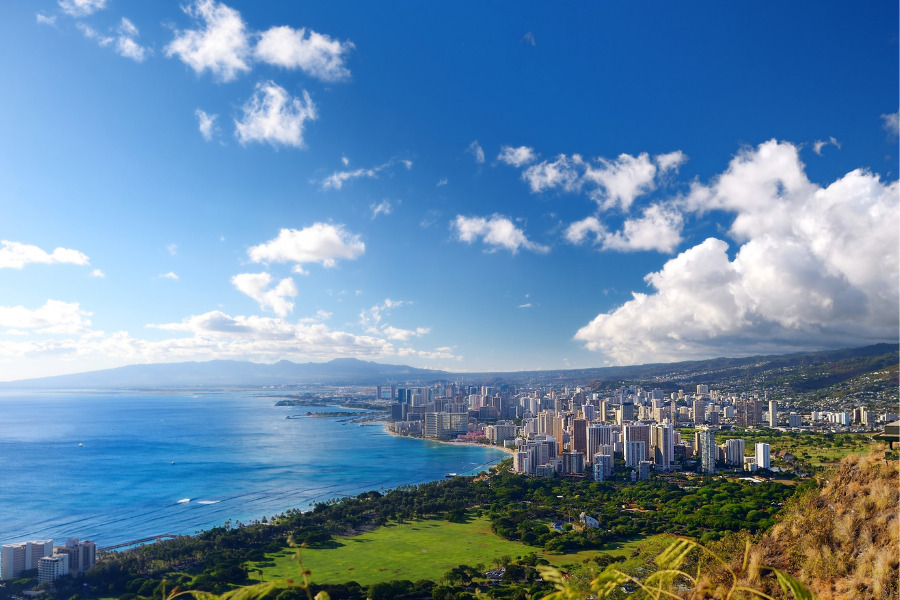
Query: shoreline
[{"x": 387, "y": 428}]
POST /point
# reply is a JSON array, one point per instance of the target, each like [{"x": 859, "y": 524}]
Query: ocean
[{"x": 119, "y": 466}]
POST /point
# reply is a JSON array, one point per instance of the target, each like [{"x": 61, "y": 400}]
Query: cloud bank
[{"x": 814, "y": 268}]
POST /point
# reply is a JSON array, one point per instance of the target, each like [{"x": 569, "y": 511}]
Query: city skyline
[{"x": 457, "y": 187}]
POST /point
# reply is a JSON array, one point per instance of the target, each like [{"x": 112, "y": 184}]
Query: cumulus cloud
[
  {"x": 321, "y": 243},
  {"x": 220, "y": 45},
  {"x": 207, "y": 124},
  {"x": 170, "y": 275},
  {"x": 816, "y": 267},
  {"x": 610, "y": 183},
  {"x": 15, "y": 255},
  {"x": 274, "y": 116},
  {"x": 382, "y": 208},
  {"x": 516, "y": 157},
  {"x": 54, "y": 316},
  {"x": 314, "y": 53},
  {"x": 497, "y": 232},
  {"x": 579, "y": 231},
  {"x": 336, "y": 180},
  {"x": 276, "y": 299},
  {"x": 477, "y": 151},
  {"x": 81, "y": 8},
  {"x": 222, "y": 335},
  {"x": 559, "y": 173},
  {"x": 659, "y": 228},
  {"x": 818, "y": 145},
  {"x": 98, "y": 273},
  {"x": 891, "y": 123},
  {"x": 622, "y": 180}
]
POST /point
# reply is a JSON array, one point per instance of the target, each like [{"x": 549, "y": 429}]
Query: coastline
[{"x": 387, "y": 428}]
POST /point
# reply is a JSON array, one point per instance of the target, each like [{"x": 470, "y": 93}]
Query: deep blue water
[{"x": 100, "y": 466}]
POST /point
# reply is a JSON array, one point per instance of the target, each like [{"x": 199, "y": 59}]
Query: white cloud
[
  {"x": 526, "y": 305},
  {"x": 528, "y": 38},
  {"x": 221, "y": 45},
  {"x": 322, "y": 243},
  {"x": 382, "y": 208},
  {"x": 256, "y": 285},
  {"x": 336, "y": 180},
  {"x": 517, "y": 157},
  {"x": 54, "y": 316},
  {"x": 15, "y": 255},
  {"x": 477, "y": 151},
  {"x": 274, "y": 116},
  {"x": 81, "y": 8},
  {"x": 622, "y": 180},
  {"x": 371, "y": 319},
  {"x": 497, "y": 232},
  {"x": 314, "y": 53},
  {"x": 92, "y": 34},
  {"x": 658, "y": 229},
  {"x": 43, "y": 19},
  {"x": 560, "y": 173},
  {"x": 169, "y": 275},
  {"x": 345, "y": 161},
  {"x": 172, "y": 248},
  {"x": 126, "y": 42},
  {"x": 818, "y": 145},
  {"x": 891, "y": 123},
  {"x": 207, "y": 124},
  {"x": 98, "y": 273},
  {"x": 578, "y": 232},
  {"x": 817, "y": 268},
  {"x": 441, "y": 182},
  {"x": 670, "y": 161}
]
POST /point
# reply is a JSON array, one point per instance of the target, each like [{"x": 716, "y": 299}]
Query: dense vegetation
[{"x": 542, "y": 513}]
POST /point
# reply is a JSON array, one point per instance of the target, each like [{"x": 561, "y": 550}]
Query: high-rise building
[
  {"x": 699, "y": 405},
  {"x": 734, "y": 452},
  {"x": 15, "y": 558},
  {"x": 52, "y": 567},
  {"x": 708, "y": 450},
  {"x": 762, "y": 456},
  {"x": 635, "y": 452},
  {"x": 795, "y": 420},
  {"x": 773, "y": 413},
  {"x": 663, "y": 441},
  {"x": 579, "y": 436}
]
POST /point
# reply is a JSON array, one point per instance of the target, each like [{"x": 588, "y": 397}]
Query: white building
[
  {"x": 773, "y": 413},
  {"x": 15, "y": 558},
  {"x": 734, "y": 452},
  {"x": 52, "y": 567},
  {"x": 635, "y": 452},
  {"x": 762, "y": 456},
  {"x": 589, "y": 522},
  {"x": 708, "y": 450},
  {"x": 663, "y": 442}
]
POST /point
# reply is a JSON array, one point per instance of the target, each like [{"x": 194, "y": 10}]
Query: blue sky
[{"x": 464, "y": 186}]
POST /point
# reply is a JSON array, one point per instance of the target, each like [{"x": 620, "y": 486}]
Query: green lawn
[{"x": 424, "y": 549}]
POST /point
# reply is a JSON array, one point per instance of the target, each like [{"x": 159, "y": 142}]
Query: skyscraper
[
  {"x": 708, "y": 450},
  {"x": 762, "y": 456},
  {"x": 773, "y": 413}
]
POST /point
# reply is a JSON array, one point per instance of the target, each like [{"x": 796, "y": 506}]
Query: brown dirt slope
[{"x": 842, "y": 540}]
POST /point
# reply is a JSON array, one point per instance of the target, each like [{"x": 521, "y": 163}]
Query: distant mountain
[
  {"x": 796, "y": 372},
  {"x": 233, "y": 373}
]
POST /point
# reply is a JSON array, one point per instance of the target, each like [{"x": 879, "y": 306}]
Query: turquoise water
[{"x": 115, "y": 467}]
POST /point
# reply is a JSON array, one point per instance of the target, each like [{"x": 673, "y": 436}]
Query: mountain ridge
[{"x": 349, "y": 371}]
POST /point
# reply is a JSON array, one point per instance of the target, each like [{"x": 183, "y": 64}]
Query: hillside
[{"x": 842, "y": 539}]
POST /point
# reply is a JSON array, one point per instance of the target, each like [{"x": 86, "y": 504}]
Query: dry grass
[{"x": 844, "y": 540}]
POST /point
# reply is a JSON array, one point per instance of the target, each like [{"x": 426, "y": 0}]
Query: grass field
[{"x": 424, "y": 549}]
